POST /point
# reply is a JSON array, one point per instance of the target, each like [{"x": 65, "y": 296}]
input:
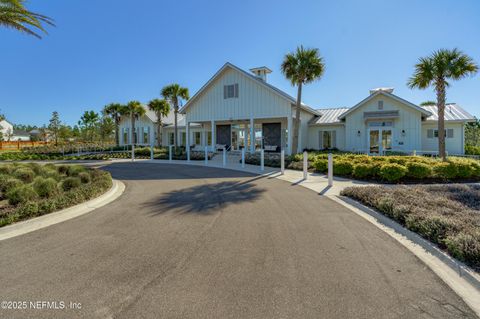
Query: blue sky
[{"x": 115, "y": 50}]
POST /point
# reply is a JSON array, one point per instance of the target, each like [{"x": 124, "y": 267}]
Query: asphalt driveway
[{"x": 195, "y": 242}]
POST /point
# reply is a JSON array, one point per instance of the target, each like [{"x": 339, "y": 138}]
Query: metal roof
[
  {"x": 329, "y": 116},
  {"x": 453, "y": 112}
]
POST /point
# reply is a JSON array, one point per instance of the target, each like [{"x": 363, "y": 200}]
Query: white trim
[{"x": 398, "y": 99}]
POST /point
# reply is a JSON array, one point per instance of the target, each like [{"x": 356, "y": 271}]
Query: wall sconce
[
  {"x": 403, "y": 132},
  {"x": 358, "y": 133}
]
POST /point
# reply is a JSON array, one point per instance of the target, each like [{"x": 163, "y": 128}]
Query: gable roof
[
  {"x": 385, "y": 93},
  {"x": 251, "y": 76},
  {"x": 453, "y": 112},
  {"x": 328, "y": 116}
]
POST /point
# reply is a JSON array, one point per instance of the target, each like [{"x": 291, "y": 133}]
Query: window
[
  {"x": 197, "y": 137},
  {"x": 171, "y": 138},
  {"x": 327, "y": 139},
  {"x": 230, "y": 91},
  {"x": 209, "y": 138},
  {"x": 146, "y": 135},
  {"x": 184, "y": 139},
  {"x": 432, "y": 133},
  {"x": 380, "y": 105}
]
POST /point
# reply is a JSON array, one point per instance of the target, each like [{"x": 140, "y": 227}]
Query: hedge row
[
  {"x": 447, "y": 215},
  {"x": 33, "y": 189},
  {"x": 400, "y": 168}
]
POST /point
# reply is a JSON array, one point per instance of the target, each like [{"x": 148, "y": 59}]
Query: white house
[
  {"x": 9, "y": 134},
  {"x": 238, "y": 109}
]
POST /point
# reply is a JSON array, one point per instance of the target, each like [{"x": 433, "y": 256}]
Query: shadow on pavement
[
  {"x": 149, "y": 171},
  {"x": 206, "y": 198}
]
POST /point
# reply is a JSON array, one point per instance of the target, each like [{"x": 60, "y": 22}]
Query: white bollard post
[
  {"x": 262, "y": 159},
  {"x": 206, "y": 155},
  {"x": 224, "y": 157},
  {"x": 170, "y": 152},
  {"x": 282, "y": 162},
  {"x": 330, "y": 169},
  {"x": 414, "y": 152},
  {"x": 243, "y": 157},
  {"x": 305, "y": 165},
  {"x": 151, "y": 151},
  {"x": 133, "y": 152}
]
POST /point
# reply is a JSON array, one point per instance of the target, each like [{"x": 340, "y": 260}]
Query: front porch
[{"x": 270, "y": 134}]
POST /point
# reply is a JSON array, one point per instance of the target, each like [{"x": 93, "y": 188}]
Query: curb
[
  {"x": 459, "y": 277},
  {"x": 40, "y": 222}
]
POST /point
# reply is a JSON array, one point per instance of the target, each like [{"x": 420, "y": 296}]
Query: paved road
[{"x": 193, "y": 242}]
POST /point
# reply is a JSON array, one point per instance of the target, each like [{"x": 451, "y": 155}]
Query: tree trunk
[
  {"x": 441, "y": 97},
  {"x": 296, "y": 122},
  {"x": 117, "y": 133},
  {"x": 175, "y": 133},
  {"x": 159, "y": 130},
  {"x": 133, "y": 128}
]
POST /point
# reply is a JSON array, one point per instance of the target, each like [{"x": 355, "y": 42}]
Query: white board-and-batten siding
[
  {"x": 254, "y": 101},
  {"x": 409, "y": 121}
]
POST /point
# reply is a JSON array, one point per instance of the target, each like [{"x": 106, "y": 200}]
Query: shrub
[
  {"x": 45, "y": 187},
  {"x": 51, "y": 173},
  {"x": 445, "y": 170},
  {"x": 35, "y": 167},
  {"x": 465, "y": 246},
  {"x": 342, "y": 168},
  {"x": 320, "y": 165},
  {"x": 464, "y": 169},
  {"x": 418, "y": 170},
  {"x": 25, "y": 174},
  {"x": 6, "y": 169},
  {"x": 70, "y": 183},
  {"x": 21, "y": 194},
  {"x": 74, "y": 170},
  {"x": 62, "y": 169},
  {"x": 84, "y": 177},
  {"x": 392, "y": 172},
  {"x": 363, "y": 170},
  {"x": 8, "y": 183},
  {"x": 28, "y": 209}
]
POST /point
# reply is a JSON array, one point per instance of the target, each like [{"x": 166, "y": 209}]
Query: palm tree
[
  {"x": 115, "y": 110},
  {"x": 436, "y": 70},
  {"x": 135, "y": 110},
  {"x": 161, "y": 108},
  {"x": 13, "y": 14},
  {"x": 175, "y": 94},
  {"x": 301, "y": 67}
]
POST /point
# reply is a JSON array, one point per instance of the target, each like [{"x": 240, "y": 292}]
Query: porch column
[
  {"x": 213, "y": 136},
  {"x": 289, "y": 136},
  {"x": 204, "y": 135},
  {"x": 187, "y": 136},
  {"x": 252, "y": 136}
]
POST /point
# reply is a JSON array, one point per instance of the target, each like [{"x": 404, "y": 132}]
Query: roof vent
[
  {"x": 261, "y": 72},
  {"x": 388, "y": 90}
]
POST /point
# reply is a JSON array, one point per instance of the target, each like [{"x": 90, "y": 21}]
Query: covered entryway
[
  {"x": 272, "y": 136},
  {"x": 224, "y": 135}
]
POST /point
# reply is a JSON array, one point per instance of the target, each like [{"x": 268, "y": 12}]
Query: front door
[
  {"x": 379, "y": 141},
  {"x": 224, "y": 135}
]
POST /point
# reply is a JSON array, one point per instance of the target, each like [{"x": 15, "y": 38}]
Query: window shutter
[
  {"x": 236, "y": 89},
  {"x": 224, "y": 92},
  {"x": 320, "y": 140},
  {"x": 450, "y": 133},
  {"x": 430, "y": 133},
  {"x": 334, "y": 139}
]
